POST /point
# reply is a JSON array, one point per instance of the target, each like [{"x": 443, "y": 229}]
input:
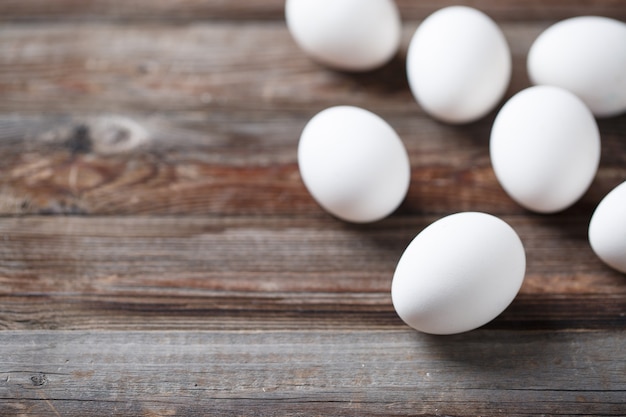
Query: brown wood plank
[
  {"x": 286, "y": 311},
  {"x": 206, "y": 67},
  {"x": 368, "y": 373},
  {"x": 233, "y": 273},
  {"x": 186, "y": 10},
  {"x": 242, "y": 164}
]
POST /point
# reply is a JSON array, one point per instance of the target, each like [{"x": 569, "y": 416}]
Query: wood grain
[
  {"x": 206, "y": 69},
  {"x": 234, "y": 273},
  {"x": 159, "y": 254},
  {"x": 239, "y": 166},
  {"x": 186, "y": 10},
  {"x": 312, "y": 373}
]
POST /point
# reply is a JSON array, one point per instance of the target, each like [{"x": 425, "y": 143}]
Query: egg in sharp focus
[
  {"x": 350, "y": 35},
  {"x": 607, "y": 229},
  {"x": 587, "y": 56},
  {"x": 545, "y": 148},
  {"x": 354, "y": 164},
  {"x": 458, "y": 273},
  {"x": 458, "y": 64}
]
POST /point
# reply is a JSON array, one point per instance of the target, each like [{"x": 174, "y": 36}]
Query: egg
[
  {"x": 458, "y": 64},
  {"x": 351, "y": 35},
  {"x": 354, "y": 164},
  {"x": 587, "y": 56},
  {"x": 607, "y": 229},
  {"x": 458, "y": 274},
  {"x": 545, "y": 148}
]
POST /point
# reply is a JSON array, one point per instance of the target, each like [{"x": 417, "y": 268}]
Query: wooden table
[{"x": 160, "y": 255}]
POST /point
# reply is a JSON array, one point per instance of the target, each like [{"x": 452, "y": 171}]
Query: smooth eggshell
[
  {"x": 458, "y": 64},
  {"x": 354, "y": 164},
  {"x": 587, "y": 56},
  {"x": 607, "y": 229},
  {"x": 545, "y": 148},
  {"x": 458, "y": 274},
  {"x": 352, "y": 35}
]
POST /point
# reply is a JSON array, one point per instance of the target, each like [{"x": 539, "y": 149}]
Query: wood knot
[
  {"x": 105, "y": 135},
  {"x": 115, "y": 134},
  {"x": 39, "y": 379}
]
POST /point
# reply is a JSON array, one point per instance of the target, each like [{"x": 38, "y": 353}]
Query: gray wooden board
[{"x": 304, "y": 372}]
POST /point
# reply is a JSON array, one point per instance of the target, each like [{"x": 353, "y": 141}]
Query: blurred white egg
[
  {"x": 587, "y": 56},
  {"x": 351, "y": 35},
  {"x": 458, "y": 64},
  {"x": 354, "y": 164},
  {"x": 545, "y": 148},
  {"x": 458, "y": 274},
  {"x": 607, "y": 229}
]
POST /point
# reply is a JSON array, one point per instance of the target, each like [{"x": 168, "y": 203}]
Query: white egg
[
  {"x": 607, "y": 229},
  {"x": 352, "y": 35},
  {"x": 458, "y": 274},
  {"x": 587, "y": 56},
  {"x": 545, "y": 148},
  {"x": 458, "y": 64},
  {"x": 354, "y": 164}
]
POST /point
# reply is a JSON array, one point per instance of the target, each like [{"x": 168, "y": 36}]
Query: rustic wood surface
[{"x": 160, "y": 256}]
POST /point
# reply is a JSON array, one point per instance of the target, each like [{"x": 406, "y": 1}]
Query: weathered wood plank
[
  {"x": 287, "y": 311},
  {"x": 234, "y": 273},
  {"x": 368, "y": 373},
  {"x": 239, "y": 164},
  {"x": 206, "y": 66},
  {"x": 186, "y": 10}
]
